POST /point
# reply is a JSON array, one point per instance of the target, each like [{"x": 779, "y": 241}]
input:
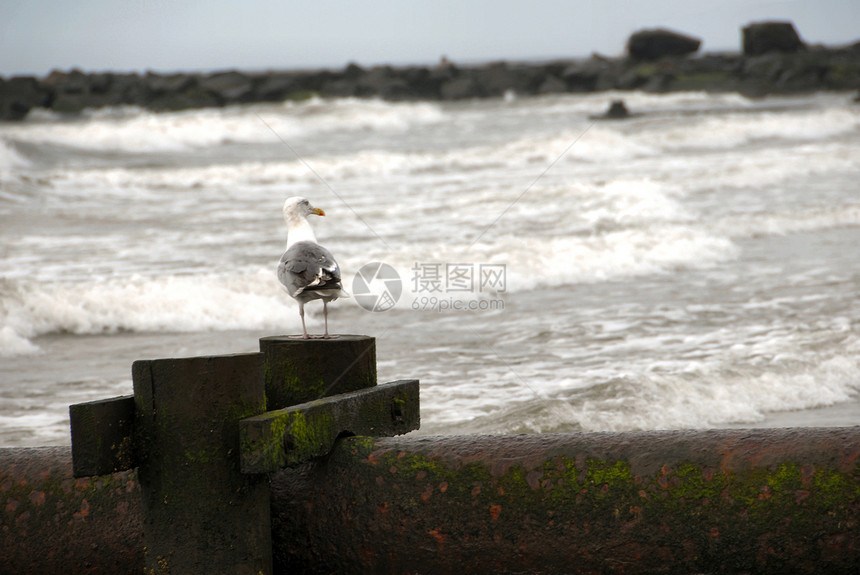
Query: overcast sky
[{"x": 37, "y": 36}]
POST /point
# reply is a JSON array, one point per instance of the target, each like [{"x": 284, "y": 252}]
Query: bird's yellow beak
[{"x": 318, "y": 212}]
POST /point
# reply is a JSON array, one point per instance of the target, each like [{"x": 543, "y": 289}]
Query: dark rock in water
[
  {"x": 20, "y": 94},
  {"x": 617, "y": 110},
  {"x": 763, "y": 37},
  {"x": 659, "y": 42}
]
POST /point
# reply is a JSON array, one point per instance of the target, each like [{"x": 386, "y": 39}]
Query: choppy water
[{"x": 695, "y": 266}]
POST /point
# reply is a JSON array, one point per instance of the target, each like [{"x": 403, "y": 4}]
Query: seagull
[{"x": 307, "y": 270}]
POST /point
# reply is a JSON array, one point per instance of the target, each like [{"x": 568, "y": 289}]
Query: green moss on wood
[
  {"x": 311, "y": 434},
  {"x": 291, "y": 437},
  {"x": 289, "y": 387}
]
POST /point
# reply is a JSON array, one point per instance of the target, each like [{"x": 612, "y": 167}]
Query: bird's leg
[
  {"x": 325, "y": 315},
  {"x": 302, "y": 315}
]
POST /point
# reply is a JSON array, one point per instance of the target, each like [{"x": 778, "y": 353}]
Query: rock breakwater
[{"x": 759, "y": 72}]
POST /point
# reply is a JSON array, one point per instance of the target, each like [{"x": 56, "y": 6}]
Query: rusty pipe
[{"x": 719, "y": 501}]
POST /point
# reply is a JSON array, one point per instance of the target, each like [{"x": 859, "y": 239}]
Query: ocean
[{"x": 693, "y": 266}]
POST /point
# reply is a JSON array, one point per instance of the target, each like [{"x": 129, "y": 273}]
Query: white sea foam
[
  {"x": 136, "y": 131},
  {"x": 13, "y": 344},
  {"x": 10, "y": 158},
  {"x": 252, "y": 300},
  {"x": 733, "y": 130},
  {"x": 701, "y": 396},
  {"x": 612, "y": 256},
  {"x": 794, "y": 221}
]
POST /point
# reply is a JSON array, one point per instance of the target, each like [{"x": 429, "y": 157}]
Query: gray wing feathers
[{"x": 309, "y": 267}]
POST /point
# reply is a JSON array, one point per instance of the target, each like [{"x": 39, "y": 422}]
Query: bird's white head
[
  {"x": 296, "y": 211},
  {"x": 298, "y": 207}
]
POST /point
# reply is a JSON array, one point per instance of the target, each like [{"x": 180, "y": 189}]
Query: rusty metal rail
[{"x": 733, "y": 501}]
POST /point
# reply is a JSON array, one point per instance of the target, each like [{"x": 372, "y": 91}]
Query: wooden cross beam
[
  {"x": 103, "y": 439},
  {"x": 293, "y": 435},
  {"x": 103, "y": 436}
]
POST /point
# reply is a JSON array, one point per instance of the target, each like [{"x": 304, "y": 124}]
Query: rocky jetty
[{"x": 774, "y": 61}]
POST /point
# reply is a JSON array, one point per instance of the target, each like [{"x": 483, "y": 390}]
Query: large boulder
[
  {"x": 763, "y": 37},
  {"x": 657, "y": 43}
]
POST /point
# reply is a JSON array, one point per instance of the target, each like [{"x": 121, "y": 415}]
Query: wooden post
[
  {"x": 201, "y": 513},
  {"x": 205, "y": 492},
  {"x": 301, "y": 370}
]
